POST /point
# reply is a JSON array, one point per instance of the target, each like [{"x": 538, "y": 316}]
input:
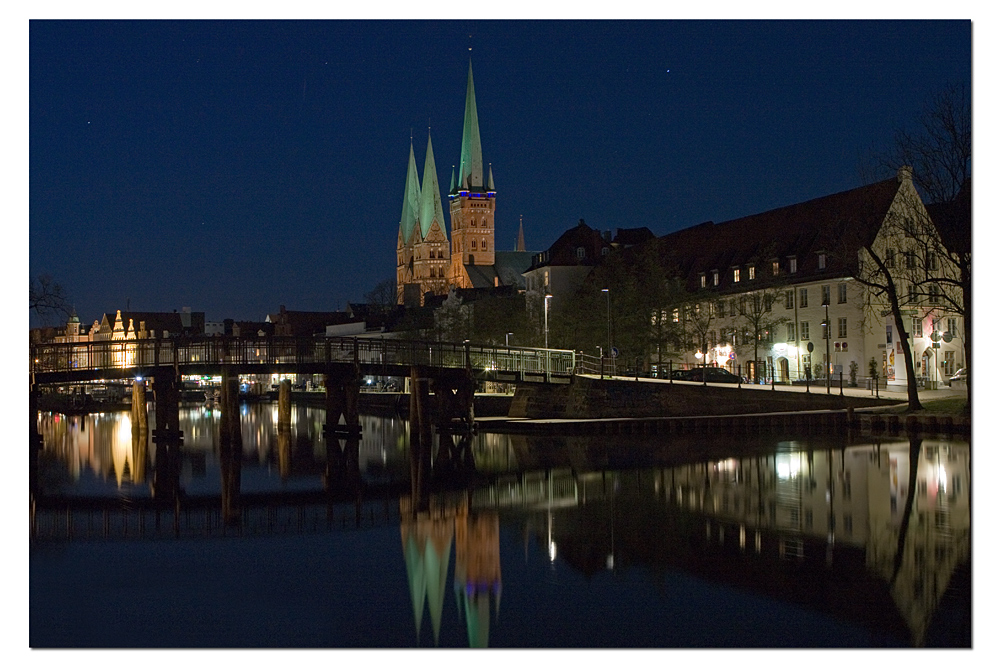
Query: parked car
[
  {"x": 961, "y": 376},
  {"x": 710, "y": 374}
]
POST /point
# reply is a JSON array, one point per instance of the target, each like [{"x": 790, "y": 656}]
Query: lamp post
[
  {"x": 507, "y": 338},
  {"x": 547, "y": 297},
  {"x": 826, "y": 334},
  {"x": 610, "y": 346}
]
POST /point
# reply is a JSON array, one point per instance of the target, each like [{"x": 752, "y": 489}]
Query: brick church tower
[{"x": 472, "y": 201}]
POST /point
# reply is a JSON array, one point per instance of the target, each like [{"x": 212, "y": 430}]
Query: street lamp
[
  {"x": 507, "y": 338},
  {"x": 610, "y": 347},
  {"x": 826, "y": 334},
  {"x": 547, "y": 297}
]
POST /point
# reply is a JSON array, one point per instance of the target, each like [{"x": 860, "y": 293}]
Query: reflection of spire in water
[
  {"x": 427, "y": 539},
  {"x": 477, "y": 572}
]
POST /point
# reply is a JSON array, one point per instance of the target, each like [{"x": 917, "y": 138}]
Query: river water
[{"x": 602, "y": 541}]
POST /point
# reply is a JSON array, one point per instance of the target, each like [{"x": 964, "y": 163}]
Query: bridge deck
[{"x": 65, "y": 362}]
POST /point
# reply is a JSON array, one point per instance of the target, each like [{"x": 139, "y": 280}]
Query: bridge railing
[{"x": 152, "y": 353}]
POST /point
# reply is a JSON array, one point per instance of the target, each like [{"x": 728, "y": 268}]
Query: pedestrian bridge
[{"x": 81, "y": 361}]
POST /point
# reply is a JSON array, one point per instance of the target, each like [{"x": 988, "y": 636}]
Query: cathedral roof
[
  {"x": 470, "y": 174},
  {"x": 411, "y": 199},
  {"x": 430, "y": 194}
]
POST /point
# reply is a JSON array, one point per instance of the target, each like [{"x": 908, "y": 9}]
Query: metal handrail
[{"x": 179, "y": 352}]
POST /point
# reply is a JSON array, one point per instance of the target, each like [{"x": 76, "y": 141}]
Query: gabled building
[
  {"x": 561, "y": 270},
  {"x": 799, "y": 262}
]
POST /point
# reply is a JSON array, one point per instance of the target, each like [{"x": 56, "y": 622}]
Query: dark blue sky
[{"x": 236, "y": 166}]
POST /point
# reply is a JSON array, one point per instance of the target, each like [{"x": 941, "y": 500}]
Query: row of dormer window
[{"x": 750, "y": 271}]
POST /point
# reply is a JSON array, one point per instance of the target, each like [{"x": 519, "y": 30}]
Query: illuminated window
[
  {"x": 751, "y": 272},
  {"x": 793, "y": 265},
  {"x": 676, "y": 315},
  {"x": 949, "y": 362},
  {"x": 822, "y": 260},
  {"x": 918, "y": 328},
  {"x": 826, "y": 295},
  {"x": 842, "y": 293},
  {"x": 736, "y": 275},
  {"x": 804, "y": 297},
  {"x": 842, "y": 327},
  {"x": 804, "y": 330},
  {"x": 789, "y": 299},
  {"x": 715, "y": 278},
  {"x": 704, "y": 280},
  {"x": 775, "y": 267}
]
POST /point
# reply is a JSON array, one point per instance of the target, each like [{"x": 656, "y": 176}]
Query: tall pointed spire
[
  {"x": 470, "y": 174},
  {"x": 451, "y": 188},
  {"x": 411, "y": 198},
  {"x": 430, "y": 194},
  {"x": 520, "y": 236},
  {"x": 489, "y": 184}
]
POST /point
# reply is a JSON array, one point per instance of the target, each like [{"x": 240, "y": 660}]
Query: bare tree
[
  {"x": 875, "y": 268},
  {"x": 757, "y": 315},
  {"x": 937, "y": 263},
  {"x": 382, "y": 298},
  {"x": 48, "y": 298}
]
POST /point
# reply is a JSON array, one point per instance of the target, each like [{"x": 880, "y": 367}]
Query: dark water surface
[{"x": 610, "y": 541}]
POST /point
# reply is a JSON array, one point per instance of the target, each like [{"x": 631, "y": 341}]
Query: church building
[{"x": 426, "y": 261}]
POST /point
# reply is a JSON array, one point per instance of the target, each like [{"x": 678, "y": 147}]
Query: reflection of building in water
[
  {"x": 854, "y": 498},
  {"x": 477, "y": 571},
  {"x": 427, "y": 541},
  {"x": 918, "y": 554}
]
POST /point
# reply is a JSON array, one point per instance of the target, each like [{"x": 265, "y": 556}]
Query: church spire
[
  {"x": 520, "y": 236},
  {"x": 430, "y": 194},
  {"x": 489, "y": 184},
  {"x": 411, "y": 198},
  {"x": 470, "y": 175}
]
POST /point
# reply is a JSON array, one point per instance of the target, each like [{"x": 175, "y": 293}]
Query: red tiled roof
[{"x": 800, "y": 230}]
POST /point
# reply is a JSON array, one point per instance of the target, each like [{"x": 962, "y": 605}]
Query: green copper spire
[
  {"x": 451, "y": 188},
  {"x": 411, "y": 199},
  {"x": 430, "y": 194},
  {"x": 470, "y": 175},
  {"x": 489, "y": 184}
]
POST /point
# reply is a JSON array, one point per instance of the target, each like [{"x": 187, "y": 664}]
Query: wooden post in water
[
  {"x": 285, "y": 404},
  {"x": 167, "y": 436},
  {"x": 140, "y": 431},
  {"x": 230, "y": 448},
  {"x": 420, "y": 440}
]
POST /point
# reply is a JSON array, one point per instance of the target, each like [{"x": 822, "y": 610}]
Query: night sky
[{"x": 237, "y": 166}]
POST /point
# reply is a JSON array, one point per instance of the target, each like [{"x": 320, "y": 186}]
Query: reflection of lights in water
[
  {"x": 611, "y": 562},
  {"x": 552, "y": 552},
  {"x": 942, "y": 478},
  {"x": 121, "y": 446},
  {"x": 788, "y": 466}
]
